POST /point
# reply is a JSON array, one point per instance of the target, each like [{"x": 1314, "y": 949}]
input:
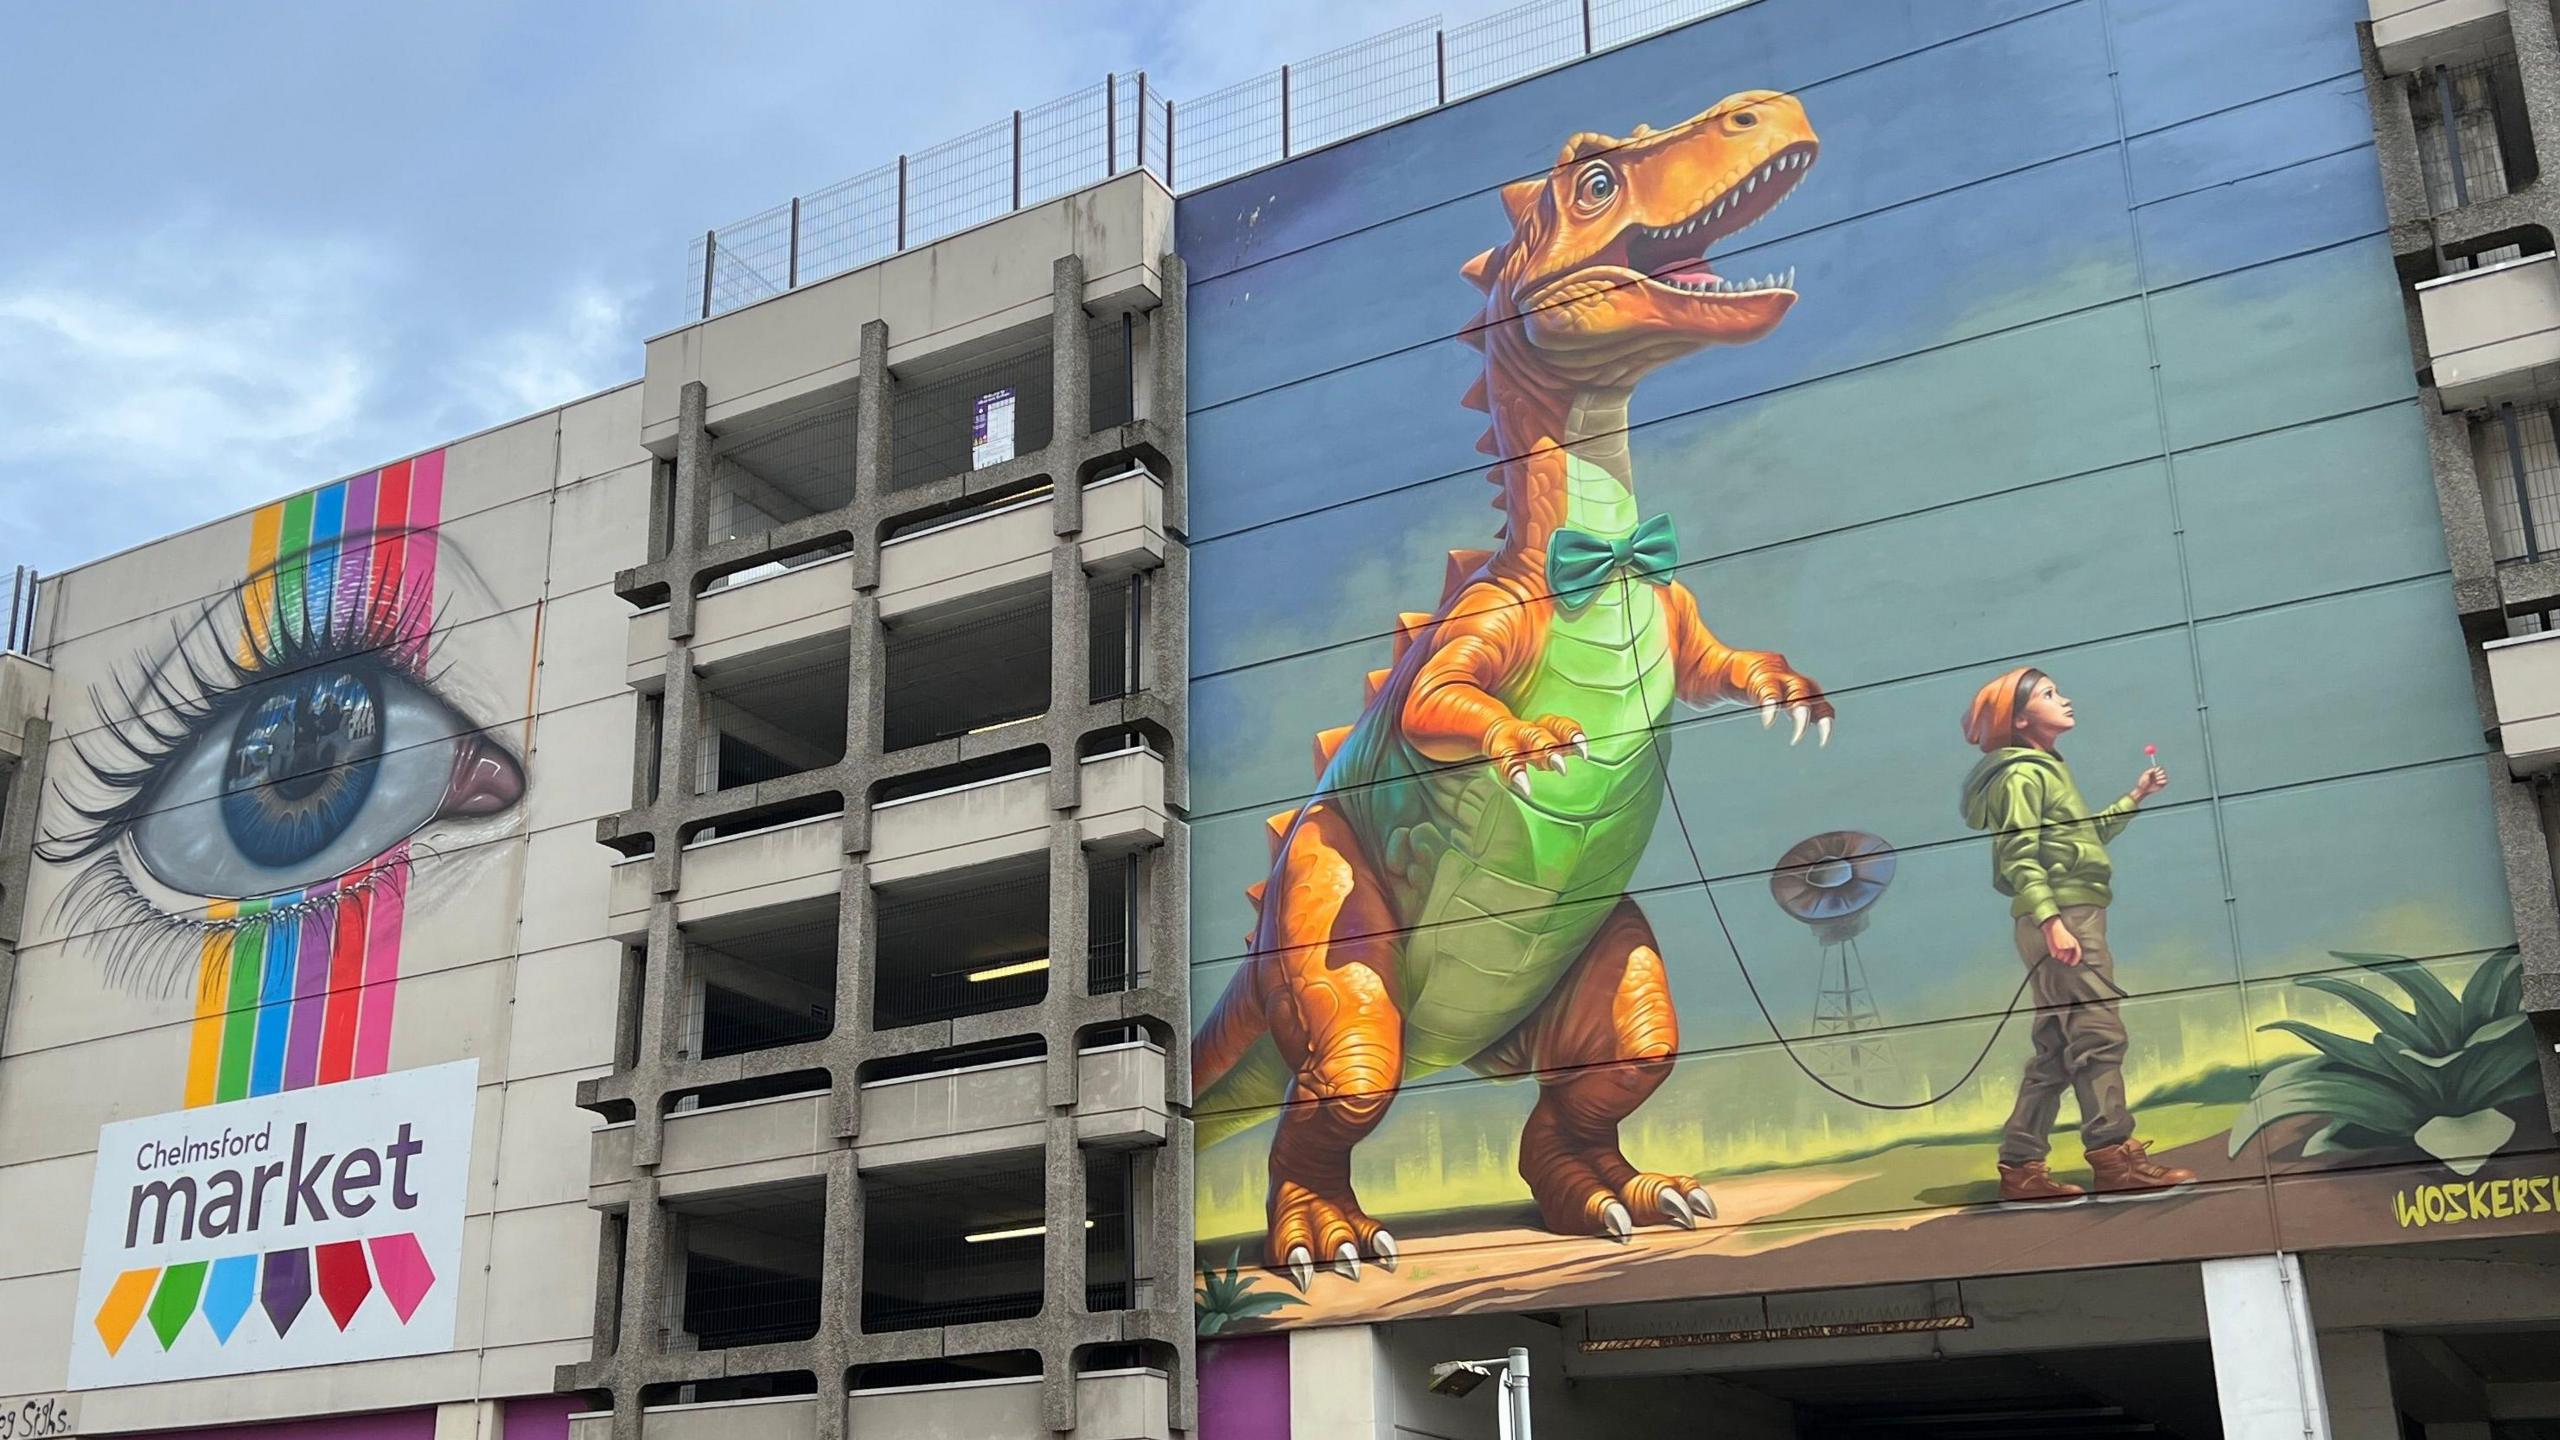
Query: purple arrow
[{"x": 287, "y": 1288}]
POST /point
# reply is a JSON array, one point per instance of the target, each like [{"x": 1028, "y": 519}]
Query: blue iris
[{"x": 302, "y": 762}]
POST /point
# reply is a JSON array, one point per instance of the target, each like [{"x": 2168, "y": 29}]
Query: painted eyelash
[
  {"x": 162, "y": 708},
  {"x": 150, "y": 949}
]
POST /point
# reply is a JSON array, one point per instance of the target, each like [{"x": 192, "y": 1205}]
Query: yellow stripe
[
  {"x": 260, "y": 597},
  {"x": 213, "y": 986}
]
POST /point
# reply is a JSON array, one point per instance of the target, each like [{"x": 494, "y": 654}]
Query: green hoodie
[{"x": 2047, "y": 850}]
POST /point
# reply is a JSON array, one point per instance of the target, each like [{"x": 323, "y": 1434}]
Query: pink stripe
[
  {"x": 381, "y": 963},
  {"x": 426, "y": 508}
]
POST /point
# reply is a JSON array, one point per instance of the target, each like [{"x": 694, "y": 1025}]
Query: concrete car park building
[{"x": 1002, "y": 843}]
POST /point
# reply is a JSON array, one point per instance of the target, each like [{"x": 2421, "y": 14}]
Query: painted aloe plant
[
  {"x": 1226, "y": 1296},
  {"x": 2434, "y": 1075}
]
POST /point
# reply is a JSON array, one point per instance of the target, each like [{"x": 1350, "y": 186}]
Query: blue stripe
[
  {"x": 328, "y": 522},
  {"x": 275, "y": 1000}
]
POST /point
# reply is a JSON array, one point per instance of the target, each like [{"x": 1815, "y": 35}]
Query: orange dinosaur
[{"x": 1454, "y": 892}]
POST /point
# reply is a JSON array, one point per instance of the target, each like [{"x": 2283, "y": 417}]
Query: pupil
[{"x": 302, "y": 762}]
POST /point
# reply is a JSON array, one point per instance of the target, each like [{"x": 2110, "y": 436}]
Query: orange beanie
[{"x": 1991, "y": 721}]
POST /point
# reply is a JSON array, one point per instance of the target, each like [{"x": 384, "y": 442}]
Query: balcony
[
  {"x": 2412, "y": 35},
  {"x": 1110, "y": 1405},
  {"x": 951, "y": 561},
  {"x": 2524, "y": 676},
  {"x": 810, "y": 603},
  {"x": 1120, "y": 1100},
  {"x": 726, "y": 876},
  {"x": 2493, "y": 333},
  {"x": 967, "y": 555},
  {"x": 938, "y": 1115},
  {"x": 974, "y": 823}
]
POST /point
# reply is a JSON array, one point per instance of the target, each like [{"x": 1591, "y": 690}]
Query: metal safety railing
[
  {"x": 21, "y": 634},
  {"x": 1125, "y": 124}
]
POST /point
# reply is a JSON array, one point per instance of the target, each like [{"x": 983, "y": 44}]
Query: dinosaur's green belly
[{"x": 1520, "y": 884}]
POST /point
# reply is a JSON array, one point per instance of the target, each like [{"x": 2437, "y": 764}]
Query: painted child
[{"x": 2049, "y": 855}]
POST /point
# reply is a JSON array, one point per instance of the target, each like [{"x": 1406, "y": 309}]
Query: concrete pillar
[
  {"x": 1338, "y": 1384},
  {"x": 467, "y": 1420},
  {"x": 2266, "y": 1359},
  {"x": 2355, "y": 1373}
]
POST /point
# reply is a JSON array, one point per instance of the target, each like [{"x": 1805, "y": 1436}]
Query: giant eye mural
[
  {"x": 246, "y": 815},
  {"x": 242, "y": 829}
]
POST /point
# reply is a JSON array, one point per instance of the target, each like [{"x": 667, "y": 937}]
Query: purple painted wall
[
  {"x": 1244, "y": 1388},
  {"x": 540, "y": 1417}
]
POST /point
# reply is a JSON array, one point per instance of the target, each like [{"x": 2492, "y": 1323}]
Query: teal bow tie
[{"x": 1579, "y": 562}]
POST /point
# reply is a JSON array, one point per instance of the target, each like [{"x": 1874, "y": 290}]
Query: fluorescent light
[
  {"x": 1008, "y": 971},
  {"x": 1020, "y": 1233}
]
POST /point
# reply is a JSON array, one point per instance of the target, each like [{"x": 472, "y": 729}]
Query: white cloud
[
  {"x": 585, "y": 344},
  {"x": 158, "y": 382}
]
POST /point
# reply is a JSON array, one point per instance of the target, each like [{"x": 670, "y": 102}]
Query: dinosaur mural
[{"x": 1453, "y": 893}]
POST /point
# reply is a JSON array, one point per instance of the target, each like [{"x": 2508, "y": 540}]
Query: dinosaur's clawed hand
[
  {"x": 1769, "y": 681},
  {"x": 1305, "y": 1225},
  {"x": 1549, "y": 741},
  {"x": 1594, "y": 1191}
]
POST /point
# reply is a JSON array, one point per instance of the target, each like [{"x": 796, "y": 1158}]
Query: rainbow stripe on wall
[{"x": 307, "y": 998}]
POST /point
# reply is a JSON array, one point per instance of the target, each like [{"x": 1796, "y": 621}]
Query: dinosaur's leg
[
  {"x": 1331, "y": 944},
  {"x": 1600, "y": 1044}
]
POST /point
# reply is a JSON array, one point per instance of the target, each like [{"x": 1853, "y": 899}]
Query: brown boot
[
  {"x": 2128, "y": 1167},
  {"x": 2029, "y": 1180}
]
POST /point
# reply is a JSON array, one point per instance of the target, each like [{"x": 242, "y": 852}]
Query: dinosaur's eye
[
  {"x": 1595, "y": 187},
  {"x": 1745, "y": 119}
]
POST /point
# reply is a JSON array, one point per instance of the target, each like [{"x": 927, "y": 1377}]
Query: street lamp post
[{"x": 1511, "y": 1416}]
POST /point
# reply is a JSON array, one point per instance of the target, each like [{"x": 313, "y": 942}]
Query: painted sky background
[
  {"x": 1954, "y": 456},
  {"x": 254, "y": 248}
]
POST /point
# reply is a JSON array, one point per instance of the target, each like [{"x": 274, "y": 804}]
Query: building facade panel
[{"x": 2111, "y": 387}]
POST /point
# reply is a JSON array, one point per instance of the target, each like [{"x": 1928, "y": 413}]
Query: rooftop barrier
[{"x": 1124, "y": 124}]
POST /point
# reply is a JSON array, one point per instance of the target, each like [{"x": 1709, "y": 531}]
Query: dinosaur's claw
[
  {"x": 1581, "y": 744},
  {"x": 1822, "y": 731},
  {"x": 1620, "y": 1227},
  {"x": 1802, "y": 715},
  {"x": 1302, "y": 1268},
  {"x": 1385, "y": 1245},
  {"x": 1520, "y": 782},
  {"x": 1768, "y": 713},
  {"x": 1346, "y": 1261},
  {"x": 1702, "y": 1202},
  {"x": 1676, "y": 1210}
]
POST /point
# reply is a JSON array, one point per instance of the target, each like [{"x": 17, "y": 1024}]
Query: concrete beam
[{"x": 2266, "y": 1360}]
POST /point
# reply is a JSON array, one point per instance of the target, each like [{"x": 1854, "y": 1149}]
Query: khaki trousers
[{"x": 2079, "y": 1039}]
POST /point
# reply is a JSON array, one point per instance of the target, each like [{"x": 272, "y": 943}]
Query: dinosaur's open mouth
[{"x": 1676, "y": 255}]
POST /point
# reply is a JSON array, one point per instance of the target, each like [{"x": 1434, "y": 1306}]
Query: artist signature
[{"x": 38, "y": 1419}]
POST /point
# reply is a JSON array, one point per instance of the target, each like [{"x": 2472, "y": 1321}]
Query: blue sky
[{"x": 251, "y": 248}]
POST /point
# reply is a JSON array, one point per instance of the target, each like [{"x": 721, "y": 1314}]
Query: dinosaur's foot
[
  {"x": 1308, "y": 1229},
  {"x": 1599, "y": 1193}
]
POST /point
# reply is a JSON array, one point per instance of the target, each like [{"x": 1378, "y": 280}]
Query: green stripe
[
  {"x": 240, "y": 1026},
  {"x": 293, "y": 545}
]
